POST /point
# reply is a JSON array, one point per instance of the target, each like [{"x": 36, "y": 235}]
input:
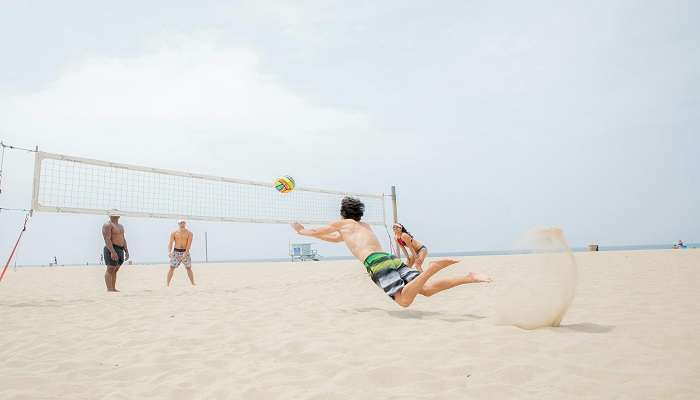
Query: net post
[
  {"x": 393, "y": 204},
  {"x": 206, "y": 248},
  {"x": 395, "y": 215}
]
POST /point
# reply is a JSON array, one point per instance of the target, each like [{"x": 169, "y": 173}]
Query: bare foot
[
  {"x": 112, "y": 290},
  {"x": 474, "y": 277},
  {"x": 440, "y": 264}
]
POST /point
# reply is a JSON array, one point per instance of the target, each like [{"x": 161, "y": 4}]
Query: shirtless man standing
[
  {"x": 115, "y": 250},
  {"x": 397, "y": 280},
  {"x": 182, "y": 238}
]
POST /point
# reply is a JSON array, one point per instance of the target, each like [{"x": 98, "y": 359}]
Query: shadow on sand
[
  {"x": 418, "y": 314},
  {"x": 586, "y": 327}
]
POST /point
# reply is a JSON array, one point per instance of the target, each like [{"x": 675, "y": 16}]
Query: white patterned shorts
[{"x": 180, "y": 257}]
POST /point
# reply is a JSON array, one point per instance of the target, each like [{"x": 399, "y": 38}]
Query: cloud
[
  {"x": 184, "y": 79},
  {"x": 192, "y": 98}
]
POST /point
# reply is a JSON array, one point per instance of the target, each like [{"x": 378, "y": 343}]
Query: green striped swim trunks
[{"x": 389, "y": 273}]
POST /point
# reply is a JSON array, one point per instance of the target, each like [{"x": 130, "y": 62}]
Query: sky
[{"x": 490, "y": 118}]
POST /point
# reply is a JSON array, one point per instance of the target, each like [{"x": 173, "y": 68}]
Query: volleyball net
[{"x": 79, "y": 185}]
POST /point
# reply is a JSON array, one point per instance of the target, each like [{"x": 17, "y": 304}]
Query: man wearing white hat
[
  {"x": 115, "y": 250},
  {"x": 180, "y": 254}
]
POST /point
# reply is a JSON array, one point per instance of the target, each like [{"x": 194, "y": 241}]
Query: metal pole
[
  {"x": 396, "y": 216},
  {"x": 393, "y": 204},
  {"x": 206, "y": 248}
]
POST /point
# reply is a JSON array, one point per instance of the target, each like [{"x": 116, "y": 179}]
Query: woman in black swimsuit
[{"x": 404, "y": 240}]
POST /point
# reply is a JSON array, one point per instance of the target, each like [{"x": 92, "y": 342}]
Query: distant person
[
  {"x": 180, "y": 254},
  {"x": 397, "y": 280},
  {"x": 680, "y": 245},
  {"x": 416, "y": 252},
  {"x": 115, "y": 250},
  {"x": 55, "y": 260}
]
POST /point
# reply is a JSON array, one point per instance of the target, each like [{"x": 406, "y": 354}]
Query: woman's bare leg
[
  {"x": 443, "y": 284},
  {"x": 409, "y": 292},
  {"x": 420, "y": 259}
]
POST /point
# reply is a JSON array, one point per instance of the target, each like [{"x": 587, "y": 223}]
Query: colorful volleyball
[{"x": 284, "y": 184}]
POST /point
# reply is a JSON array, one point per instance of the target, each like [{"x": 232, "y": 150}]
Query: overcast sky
[{"x": 491, "y": 118}]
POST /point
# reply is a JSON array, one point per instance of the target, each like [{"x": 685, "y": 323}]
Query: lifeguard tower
[{"x": 303, "y": 252}]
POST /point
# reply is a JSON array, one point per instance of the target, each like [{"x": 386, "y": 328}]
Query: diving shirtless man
[
  {"x": 397, "y": 280},
  {"x": 182, "y": 238},
  {"x": 115, "y": 250}
]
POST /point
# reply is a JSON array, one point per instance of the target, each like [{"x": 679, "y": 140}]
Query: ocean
[{"x": 435, "y": 254}]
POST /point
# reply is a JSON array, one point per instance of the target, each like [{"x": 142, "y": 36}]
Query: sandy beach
[{"x": 324, "y": 331}]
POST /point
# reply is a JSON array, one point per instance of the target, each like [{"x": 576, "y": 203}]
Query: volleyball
[{"x": 284, "y": 184}]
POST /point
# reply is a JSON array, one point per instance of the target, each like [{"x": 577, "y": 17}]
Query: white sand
[{"x": 324, "y": 331}]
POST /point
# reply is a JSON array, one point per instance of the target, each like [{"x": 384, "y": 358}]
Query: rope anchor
[{"x": 14, "y": 249}]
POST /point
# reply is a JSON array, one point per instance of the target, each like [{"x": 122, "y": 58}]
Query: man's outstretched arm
[
  {"x": 328, "y": 233},
  {"x": 331, "y": 237}
]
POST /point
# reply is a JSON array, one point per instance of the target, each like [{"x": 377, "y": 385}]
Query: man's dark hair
[{"x": 352, "y": 208}]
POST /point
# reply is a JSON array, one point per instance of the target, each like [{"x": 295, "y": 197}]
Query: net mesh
[{"x": 70, "y": 184}]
